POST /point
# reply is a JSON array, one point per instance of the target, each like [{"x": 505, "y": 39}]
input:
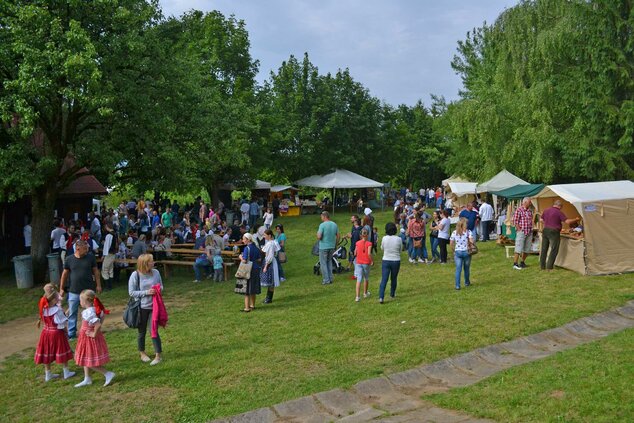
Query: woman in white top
[
  {"x": 268, "y": 218},
  {"x": 443, "y": 235},
  {"x": 391, "y": 244},
  {"x": 269, "y": 275},
  {"x": 460, "y": 239}
]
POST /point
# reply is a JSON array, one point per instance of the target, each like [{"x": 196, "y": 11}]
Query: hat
[
  {"x": 367, "y": 211},
  {"x": 248, "y": 236}
]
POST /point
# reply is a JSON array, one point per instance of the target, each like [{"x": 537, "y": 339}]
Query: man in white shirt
[
  {"x": 56, "y": 236},
  {"x": 486, "y": 218},
  {"x": 109, "y": 250},
  {"x": 244, "y": 210},
  {"x": 26, "y": 231}
]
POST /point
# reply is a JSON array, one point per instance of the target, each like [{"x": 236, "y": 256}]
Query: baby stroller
[{"x": 340, "y": 254}]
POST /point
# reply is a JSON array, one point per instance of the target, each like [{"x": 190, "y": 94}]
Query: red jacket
[{"x": 159, "y": 313}]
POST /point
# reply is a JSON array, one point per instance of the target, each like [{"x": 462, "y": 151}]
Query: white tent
[
  {"x": 280, "y": 188},
  {"x": 607, "y": 210},
  {"x": 463, "y": 192},
  {"x": 452, "y": 178},
  {"x": 340, "y": 178},
  {"x": 502, "y": 180}
]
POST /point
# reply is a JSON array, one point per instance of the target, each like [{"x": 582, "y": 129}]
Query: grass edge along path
[{"x": 396, "y": 397}]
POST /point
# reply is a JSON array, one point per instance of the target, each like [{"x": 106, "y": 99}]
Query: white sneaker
[
  {"x": 517, "y": 267},
  {"x": 366, "y": 295},
  {"x": 109, "y": 376},
  {"x": 155, "y": 362},
  {"x": 87, "y": 381},
  {"x": 357, "y": 299},
  {"x": 68, "y": 374},
  {"x": 411, "y": 260},
  {"x": 196, "y": 281},
  {"x": 420, "y": 260},
  {"x": 50, "y": 376}
]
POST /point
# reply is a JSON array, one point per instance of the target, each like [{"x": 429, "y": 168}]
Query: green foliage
[{"x": 548, "y": 93}]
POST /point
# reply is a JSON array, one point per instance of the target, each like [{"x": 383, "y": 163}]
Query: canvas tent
[
  {"x": 463, "y": 192},
  {"x": 607, "y": 210},
  {"x": 339, "y": 179},
  {"x": 453, "y": 178},
  {"x": 502, "y": 180}
]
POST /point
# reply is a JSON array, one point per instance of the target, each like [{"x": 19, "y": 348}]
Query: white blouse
[
  {"x": 59, "y": 318},
  {"x": 269, "y": 249},
  {"x": 90, "y": 316},
  {"x": 461, "y": 241}
]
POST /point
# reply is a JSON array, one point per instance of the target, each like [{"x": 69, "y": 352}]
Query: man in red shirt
[
  {"x": 552, "y": 219},
  {"x": 523, "y": 221}
]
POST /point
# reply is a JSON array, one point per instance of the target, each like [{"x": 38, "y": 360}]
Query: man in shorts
[{"x": 523, "y": 222}]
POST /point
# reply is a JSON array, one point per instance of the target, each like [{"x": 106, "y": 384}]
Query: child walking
[
  {"x": 363, "y": 262},
  {"x": 92, "y": 351},
  {"x": 217, "y": 266},
  {"x": 53, "y": 345}
]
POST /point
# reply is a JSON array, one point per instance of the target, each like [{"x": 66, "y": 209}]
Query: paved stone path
[{"x": 396, "y": 398}]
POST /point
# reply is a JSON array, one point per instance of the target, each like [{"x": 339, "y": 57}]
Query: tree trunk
[
  {"x": 215, "y": 195},
  {"x": 42, "y": 208},
  {"x": 210, "y": 193}
]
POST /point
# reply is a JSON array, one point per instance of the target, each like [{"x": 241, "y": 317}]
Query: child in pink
[
  {"x": 92, "y": 350},
  {"x": 53, "y": 345}
]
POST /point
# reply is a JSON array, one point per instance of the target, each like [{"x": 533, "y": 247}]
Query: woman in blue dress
[{"x": 251, "y": 253}]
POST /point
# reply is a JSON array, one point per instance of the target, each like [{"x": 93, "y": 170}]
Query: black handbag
[{"x": 132, "y": 312}]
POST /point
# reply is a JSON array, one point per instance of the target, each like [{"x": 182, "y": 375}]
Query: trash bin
[
  {"x": 23, "y": 271},
  {"x": 229, "y": 217},
  {"x": 54, "y": 268}
]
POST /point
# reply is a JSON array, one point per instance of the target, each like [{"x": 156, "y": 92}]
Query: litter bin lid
[
  {"x": 52, "y": 255},
  {"x": 21, "y": 258}
]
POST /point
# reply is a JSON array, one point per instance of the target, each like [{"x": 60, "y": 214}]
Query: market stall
[
  {"x": 603, "y": 243},
  {"x": 289, "y": 201},
  {"x": 461, "y": 193}
]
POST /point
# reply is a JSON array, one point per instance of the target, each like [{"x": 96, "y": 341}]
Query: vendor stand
[{"x": 603, "y": 243}]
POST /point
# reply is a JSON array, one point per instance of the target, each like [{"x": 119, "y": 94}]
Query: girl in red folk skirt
[
  {"x": 92, "y": 351},
  {"x": 53, "y": 344}
]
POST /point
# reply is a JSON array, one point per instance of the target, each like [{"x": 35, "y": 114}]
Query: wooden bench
[{"x": 167, "y": 263}]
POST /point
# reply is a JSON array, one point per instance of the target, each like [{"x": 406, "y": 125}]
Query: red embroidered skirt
[
  {"x": 91, "y": 352},
  {"x": 53, "y": 346}
]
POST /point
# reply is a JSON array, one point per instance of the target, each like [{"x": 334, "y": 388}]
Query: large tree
[
  {"x": 548, "y": 93},
  {"x": 63, "y": 65}
]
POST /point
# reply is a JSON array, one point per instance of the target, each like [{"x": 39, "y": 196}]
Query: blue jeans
[
  {"x": 434, "y": 246},
  {"x": 73, "y": 306},
  {"x": 200, "y": 265},
  {"x": 253, "y": 220},
  {"x": 279, "y": 267},
  {"x": 462, "y": 259},
  {"x": 417, "y": 252},
  {"x": 325, "y": 264},
  {"x": 389, "y": 267}
]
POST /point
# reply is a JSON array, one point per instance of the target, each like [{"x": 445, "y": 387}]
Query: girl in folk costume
[
  {"x": 53, "y": 344},
  {"x": 92, "y": 351}
]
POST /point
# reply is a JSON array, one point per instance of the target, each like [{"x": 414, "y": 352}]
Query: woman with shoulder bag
[
  {"x": 281, "y": 254},
  {"x": 433, "y": 236},
  {"x": 460, "y": 239},
  {"x": 251, "y": 253},
  {"x": 141, "y": 287}
]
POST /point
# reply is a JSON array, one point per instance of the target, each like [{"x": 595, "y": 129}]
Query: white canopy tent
[
  {"x": 453, "y": 178},
  {"x": 463, "y": 192},
  {"x": 280, "y": 188},
  {"x": 607, "y": 210},
  {"x": 502, "y": 180},
  {"x": 341, "y": 179}
]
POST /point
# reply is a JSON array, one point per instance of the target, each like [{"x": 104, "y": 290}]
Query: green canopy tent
[{"x": 520, "y": 191}]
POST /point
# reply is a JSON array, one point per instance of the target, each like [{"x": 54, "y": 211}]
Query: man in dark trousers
[{"x": 80, "y": 268}]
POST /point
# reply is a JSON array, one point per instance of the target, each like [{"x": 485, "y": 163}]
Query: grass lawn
[
  {"x": 591, "y": 383},
  {"x": 220, "y": 362}
]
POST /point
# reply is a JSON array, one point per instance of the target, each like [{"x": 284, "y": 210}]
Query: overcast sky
[{"x": 400, "y": 49}]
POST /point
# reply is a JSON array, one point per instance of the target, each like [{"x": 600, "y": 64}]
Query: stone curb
[{"x": 396, "y": 398}]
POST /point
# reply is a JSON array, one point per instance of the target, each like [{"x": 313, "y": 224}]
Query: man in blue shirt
[
  {"x": 254, "y": 212},
  {"x": 328, "y": 236},
  {"x": 472, "y": 218}
]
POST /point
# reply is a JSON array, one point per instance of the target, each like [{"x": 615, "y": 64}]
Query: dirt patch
[
  {"x": 558, "y": 394},
  {"x": 20, "y": 334}
]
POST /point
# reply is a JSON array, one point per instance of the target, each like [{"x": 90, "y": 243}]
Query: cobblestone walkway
[{"x": 396, "y": 398}]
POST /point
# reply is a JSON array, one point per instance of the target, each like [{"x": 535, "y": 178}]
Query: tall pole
[{"x": 334, "y": 192}]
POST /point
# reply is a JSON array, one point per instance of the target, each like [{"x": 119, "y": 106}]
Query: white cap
[{"x": 367, "y": 211}]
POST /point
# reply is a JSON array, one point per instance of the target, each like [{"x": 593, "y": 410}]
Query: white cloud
[{"x": 400, "y": 50}]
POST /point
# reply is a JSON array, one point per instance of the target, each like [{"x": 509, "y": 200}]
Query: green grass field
[{"x": 220, "y": 362}]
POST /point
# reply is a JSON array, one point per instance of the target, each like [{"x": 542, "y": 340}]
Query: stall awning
[
  {"x": 280, "y": 188},
  {"x": 519, "y": 191},
  {"x": 577, "y": 194},
  {"x": 463, "y": 188}
]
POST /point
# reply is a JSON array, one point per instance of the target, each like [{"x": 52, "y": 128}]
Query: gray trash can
[
  {"x": 54, "y": 268},
  {"x": 23, "y": 271},
  {"x": 229, "y": 217}
]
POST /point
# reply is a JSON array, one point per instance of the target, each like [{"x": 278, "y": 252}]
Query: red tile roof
[{"x": 84, "y": 185}]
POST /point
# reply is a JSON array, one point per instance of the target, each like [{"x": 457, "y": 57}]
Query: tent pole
[{"x": 334, "y": 192}]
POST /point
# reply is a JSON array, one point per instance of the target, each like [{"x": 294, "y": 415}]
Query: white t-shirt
[
  {"x": 461, "y": 241},
  {"x": 56, "y": 235},
  {"x": 107, "y": 245},
  {"x": 391, "y": 246},
  {"x": 27, "y": 235},
  {"x": 444, "y": 232},
  {"x": 486, "y": 212},
  {"x": 268, "y": 219}
]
